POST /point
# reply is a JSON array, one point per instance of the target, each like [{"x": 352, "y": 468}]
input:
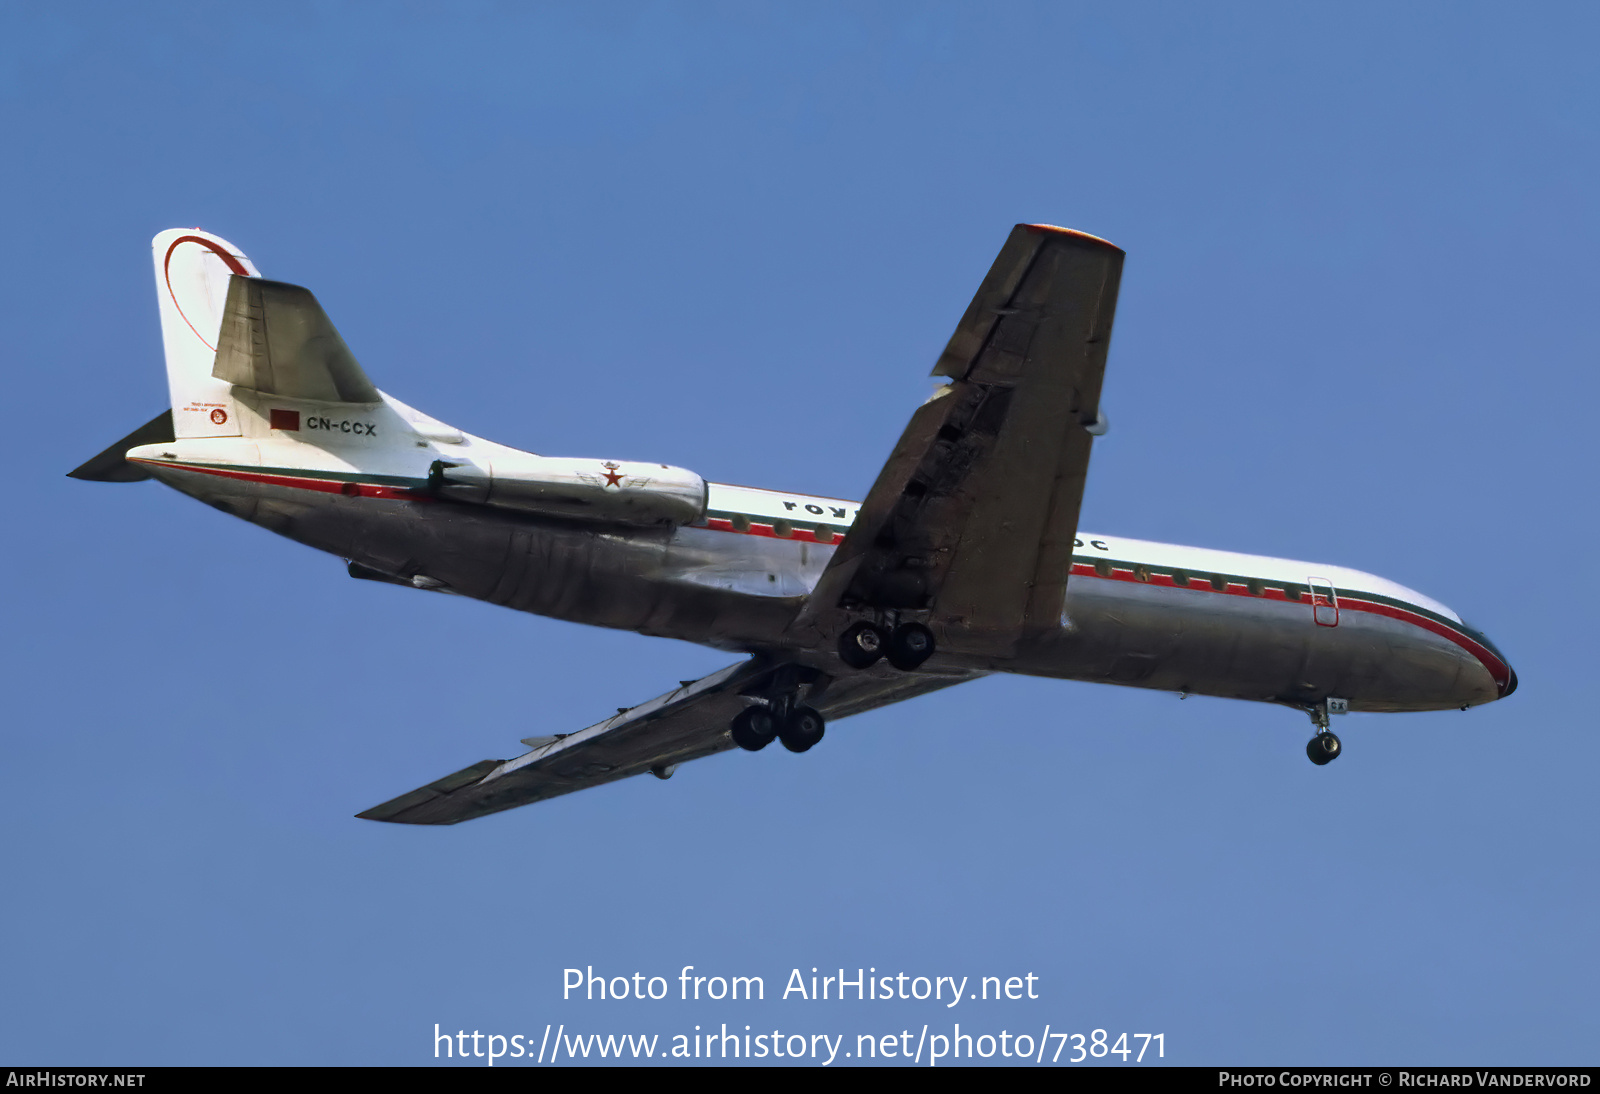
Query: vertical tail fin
[{"x": 193, "y": 269}]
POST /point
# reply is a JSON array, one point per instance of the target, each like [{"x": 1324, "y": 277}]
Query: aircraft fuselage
[{"x": 1136, "y": 613}]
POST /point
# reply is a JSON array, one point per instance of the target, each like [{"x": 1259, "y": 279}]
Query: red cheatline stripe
[
  {"x": 321, "y": 486},
  {"x": 166, "y": 272}
]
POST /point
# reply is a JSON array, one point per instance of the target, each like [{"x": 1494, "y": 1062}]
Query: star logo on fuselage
[{"x": 612, "y": 478}]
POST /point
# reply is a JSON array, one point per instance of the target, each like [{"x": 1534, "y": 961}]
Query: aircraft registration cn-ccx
[{"x": 965, "y": 558}]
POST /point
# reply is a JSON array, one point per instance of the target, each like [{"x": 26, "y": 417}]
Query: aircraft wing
[
  {"x": 686, "y": 724},
  {"x": 974, "y": 516}
]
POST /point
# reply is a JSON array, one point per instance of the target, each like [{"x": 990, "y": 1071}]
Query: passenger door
[{"x": 1324, "y": 604}]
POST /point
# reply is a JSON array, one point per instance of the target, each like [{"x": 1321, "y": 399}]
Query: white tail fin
[{"x": 193, "y": 269}]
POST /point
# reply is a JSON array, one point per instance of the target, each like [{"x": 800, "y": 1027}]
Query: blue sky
[{"x": 1356, "y": 326}]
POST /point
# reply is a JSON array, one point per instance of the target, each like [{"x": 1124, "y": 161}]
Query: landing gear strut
[{"x": 1324, "y": 748}]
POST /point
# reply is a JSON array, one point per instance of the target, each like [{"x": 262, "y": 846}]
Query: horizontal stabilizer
[
  {"x": 277, "y": 340},
  {"x": 111, "y": 466}
]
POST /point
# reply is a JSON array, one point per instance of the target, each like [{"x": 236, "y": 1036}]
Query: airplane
[{"x": 965, "y": 558}]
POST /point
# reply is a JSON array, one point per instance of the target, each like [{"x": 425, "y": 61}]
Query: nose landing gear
[{"x": 1324, "y": 748}]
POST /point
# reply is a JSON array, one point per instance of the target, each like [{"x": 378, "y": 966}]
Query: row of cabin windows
[
  {"x": 1184, "y": 578},
  {"x": 1189, "y": 580},
  {"x": 783, "y": 529}
]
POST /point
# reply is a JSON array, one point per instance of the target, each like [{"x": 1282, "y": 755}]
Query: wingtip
[{"x": 1052, "y": 229}]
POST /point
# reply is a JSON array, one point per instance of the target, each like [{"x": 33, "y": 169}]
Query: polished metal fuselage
[{"x": 741, "y": 592}]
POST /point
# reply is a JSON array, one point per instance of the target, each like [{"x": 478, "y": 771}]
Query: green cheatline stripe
[{"x": 1203, "y": 579}]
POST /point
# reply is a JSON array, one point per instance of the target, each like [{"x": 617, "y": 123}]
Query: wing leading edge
[{"x": 973, "y": 517}]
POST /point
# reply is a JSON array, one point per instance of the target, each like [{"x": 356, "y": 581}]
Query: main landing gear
[
  {"x": 1324, "y": 748},
  {"x": 779, "y": 715},
  {"x": 757, "y": 727},
  {"x": 906, "y": 647}
]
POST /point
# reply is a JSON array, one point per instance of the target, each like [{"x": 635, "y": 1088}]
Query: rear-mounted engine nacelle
[{"x": 606, "y": 490}]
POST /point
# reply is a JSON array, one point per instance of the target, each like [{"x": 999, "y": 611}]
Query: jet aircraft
[{"x": 964, "y": 559}]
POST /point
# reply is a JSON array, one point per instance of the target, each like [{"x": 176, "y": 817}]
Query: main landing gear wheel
[
  {"x": 802, "y": 729},
  {"x": 1324, "y": 748},
  {"x": 909, "y": 646},
  {"x": 754, "y": 729},
  {"x": 862, "y": 644}
]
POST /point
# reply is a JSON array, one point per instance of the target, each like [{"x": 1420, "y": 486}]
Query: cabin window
[
  {"x": 740, "y": 522},
  {"x": 824, "y": 534},
  {"x": 1219, "y": 583},
  {"x": 1141, "y": 573},
  {"x": 1102, "y": 567},
  {"x": 1256, "y": 588},
  {"x": 782, "y": 528},
  {"x": 1180, "y": 577},
  {"x": 1291, "y": 592}
]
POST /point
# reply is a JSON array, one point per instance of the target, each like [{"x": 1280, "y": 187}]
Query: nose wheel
[{"x": 1324, "y": 748}]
